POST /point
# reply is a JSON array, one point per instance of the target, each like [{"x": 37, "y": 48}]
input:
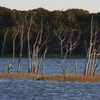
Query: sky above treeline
[{"x": 93, "y": 6}]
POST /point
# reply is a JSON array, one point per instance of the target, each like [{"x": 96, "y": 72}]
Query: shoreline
[
  {"x": 47, "y": 56},
  {"x": 56, "y": 78}
]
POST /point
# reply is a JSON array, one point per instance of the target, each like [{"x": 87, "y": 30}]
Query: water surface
[{"x": 30, "y": 89}]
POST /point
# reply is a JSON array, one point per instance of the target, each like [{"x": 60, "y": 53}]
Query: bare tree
[
  {"x": 76, "y": 67},
  {"x": 28, "y": 40},
  {"x": 3, "y": 45},
  {"x": 93, "y": 52},
  {"x": 38, "y": 44},
  {"x": 69, "y": 47},
  {"x": 61, "y": 34},
  {"x": 44, "y": 60},
  {"x": 13, "y": 38},
  {"x": 68, "y": 41},
  {"x": 34, "y": 53},
  {"x": 21, "y": 47},
  {"x": 64, "y": 70},
  {"x": 37, "y": 47},
  {"x": 39, "y": 67}
]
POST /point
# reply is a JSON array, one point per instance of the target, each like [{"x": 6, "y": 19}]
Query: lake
[{"x": 29, "y": 89}]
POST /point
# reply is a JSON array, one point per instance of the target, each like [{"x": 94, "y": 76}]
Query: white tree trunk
[
  {"x": 76, "y": 67},
  {"x": 21, "y": 49},
  {"x": 36, "y": 60},
  {"x": 3, "y": 45},
  {"x": 61, "y": 50},
  {"x": 89, "y": 50},
  {"x": 39, "y": 67},
  {"x": 33, "y": 60},
  {"x": 28, "y": 40},
  {"x": 14, "y": 38},
  {"x": 44, "y": 60}
]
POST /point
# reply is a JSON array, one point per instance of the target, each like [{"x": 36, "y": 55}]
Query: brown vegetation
[
  {"x": 20, "y": 75},
  {"x": 71, "y": 78},
  {"x": 56, "y": 78}
]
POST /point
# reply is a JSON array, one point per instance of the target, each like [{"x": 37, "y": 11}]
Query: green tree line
[{"x": 71, "y": 19}]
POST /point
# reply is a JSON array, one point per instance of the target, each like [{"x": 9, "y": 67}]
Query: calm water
[{"x": 29, "y": 89}]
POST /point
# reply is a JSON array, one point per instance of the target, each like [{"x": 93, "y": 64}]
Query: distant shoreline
[{"x": 47, "y": 56}]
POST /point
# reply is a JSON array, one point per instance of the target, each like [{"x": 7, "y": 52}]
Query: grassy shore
[{"x": 56, "y": 78}]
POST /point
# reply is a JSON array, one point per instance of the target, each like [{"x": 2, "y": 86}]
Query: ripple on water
[{"x": 29, "y": 89}]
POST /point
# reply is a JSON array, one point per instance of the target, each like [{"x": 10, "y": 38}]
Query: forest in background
[{"x": 71, "y": 19}]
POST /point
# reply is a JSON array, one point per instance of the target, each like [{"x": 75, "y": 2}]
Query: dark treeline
[{"x": 77, "y": 21}]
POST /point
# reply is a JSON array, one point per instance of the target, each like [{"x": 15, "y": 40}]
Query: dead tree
[
  {"x": 70, "y": 53},
  {"x": 64, "y": 70},
  {"x": 37, "y": 47},
  {"x": 34, "y": 54},
  {"x": 61, "y": 34},
  {"x": 93, "y": 52},
  {"x": 13, "y": 38},
  {"x": 44, "y": 60},
  {"x": 28, "y": 41},
  {"x": 21, "y": 47},
  {"x": 76, "y": 67},
  {"x": 39, "y": 67},
  {"x": 69, "y": 47},
  {"x": 66, "y": 40},
  {"x": 3, "y": 45}
]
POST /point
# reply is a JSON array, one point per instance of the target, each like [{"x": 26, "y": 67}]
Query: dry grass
[
  {"x": 71, "y": 78},
  {"x": 57, "y": 78},
  {"x": 20, "y": 75}
]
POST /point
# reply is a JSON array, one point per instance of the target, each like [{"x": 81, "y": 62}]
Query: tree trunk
[
  {"x": 4, "y": 42},
  {"x": 89, "y": 50},
  {"x": 33, "y": 60},
  {"x": 29, "y": 55},
  {"x": 10, "y": 66},
  {"x": 61, "y": 50},
  {"x": 76, "y": 67},
  {"x": 70, "y": 53},
  {"x": 39, "y": 67},
  {"x": 21, "y": 50},
  {"x": 64, "y": 71},
  {"x": 36, "y": 60},
  {"x": 28, "y": 40},
  {"x": 95, "y": 69},
  {"x": 44, "y": 60}
]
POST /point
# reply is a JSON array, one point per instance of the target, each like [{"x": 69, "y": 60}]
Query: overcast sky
[{"x": 90, "y": 5}]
